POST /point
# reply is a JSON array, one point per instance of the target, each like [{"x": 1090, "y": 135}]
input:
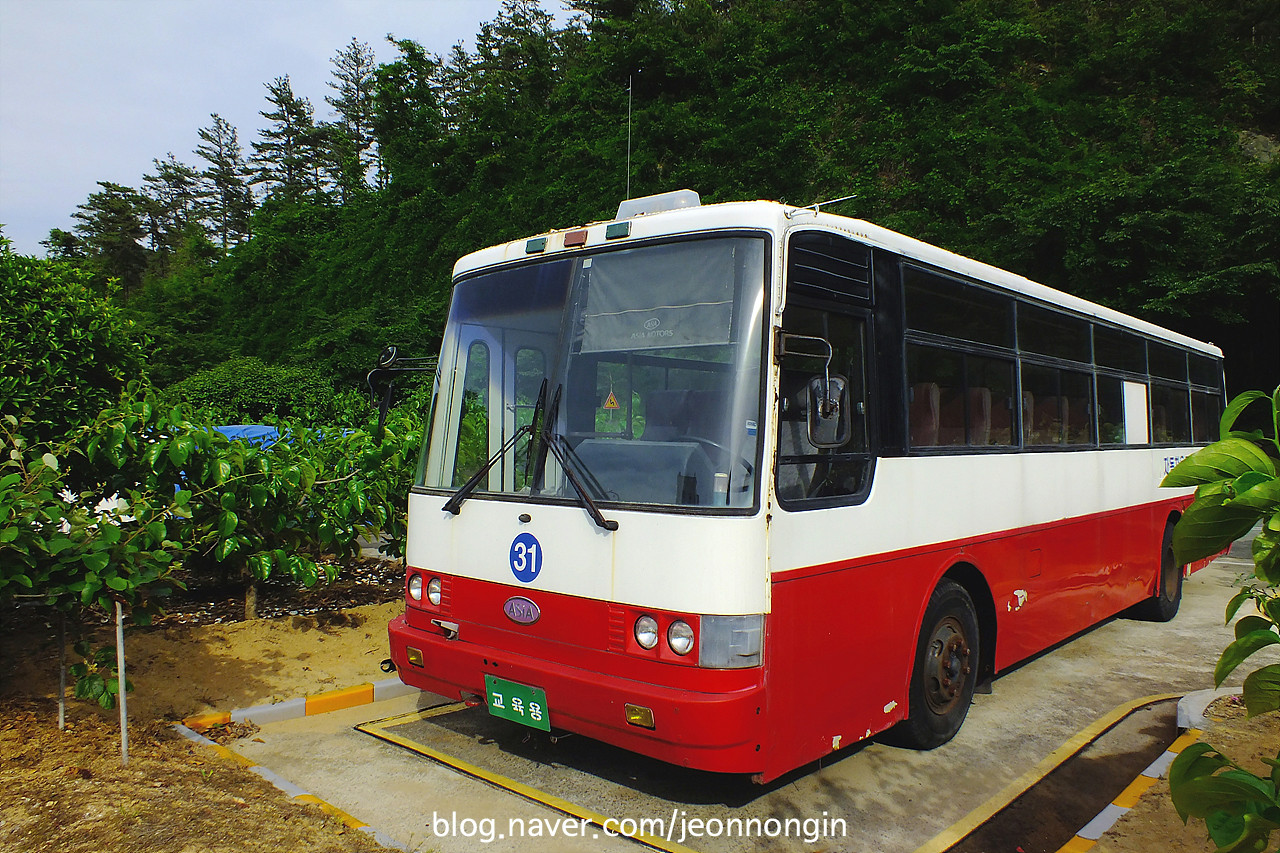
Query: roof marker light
[
  {"x": 537, "y": 244},
  {"x": 575, "y": 238},
  {"x": 616, "y": 230}
]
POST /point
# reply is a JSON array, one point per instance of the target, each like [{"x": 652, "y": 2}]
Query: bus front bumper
[{"x": 715, "y": 731}]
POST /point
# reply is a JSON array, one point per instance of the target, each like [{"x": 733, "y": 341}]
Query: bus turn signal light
[{"x": 638, "y": 715}]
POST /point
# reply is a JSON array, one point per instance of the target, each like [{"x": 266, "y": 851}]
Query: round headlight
[
  {"x": 680, "y": 637},
  {"x": 415, "y": 586},
  {"x": 647, "y": 632},
  {"x": 433, "y": 591}
]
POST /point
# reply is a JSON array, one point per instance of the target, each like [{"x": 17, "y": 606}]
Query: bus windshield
[{"x": 651, "y": 362}]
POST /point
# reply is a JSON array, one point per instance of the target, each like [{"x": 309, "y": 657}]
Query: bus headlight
[
  {"x": 415, "y": 586},
  {"x": 433, "y": 591},
  {"x": 646, "y": 632},
  {"x": 680, "y": 637},
  {"x": 730, "y": 642}
]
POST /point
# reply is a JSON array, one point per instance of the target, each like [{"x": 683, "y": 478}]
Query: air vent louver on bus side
[{"x": 830, "y": 267}]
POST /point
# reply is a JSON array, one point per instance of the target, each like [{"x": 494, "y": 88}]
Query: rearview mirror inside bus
[{"x": 829, "y": 418}]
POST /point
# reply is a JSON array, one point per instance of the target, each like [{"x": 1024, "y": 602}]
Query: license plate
[{"x": 519, "y": 703}]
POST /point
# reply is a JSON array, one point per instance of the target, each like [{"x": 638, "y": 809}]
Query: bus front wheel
[{"x": 944, "y": 671}]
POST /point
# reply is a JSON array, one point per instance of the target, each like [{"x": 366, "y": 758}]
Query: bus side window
[
  {"x": 958, "y": 399},
  {"x": 806, "y": 472},
  {"x": 1111, "y": 426},
  {"x": 472, "y": 449}
]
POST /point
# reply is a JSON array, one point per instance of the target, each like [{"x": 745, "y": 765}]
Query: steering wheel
[{"x": 725, "y": 452}]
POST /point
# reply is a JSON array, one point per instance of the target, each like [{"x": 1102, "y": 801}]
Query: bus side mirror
[{"x": 829, "y": 412}]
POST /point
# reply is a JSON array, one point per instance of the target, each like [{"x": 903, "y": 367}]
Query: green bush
[
  {"x": 65, "y": 351},
  {"x": 248, "y": 390}
]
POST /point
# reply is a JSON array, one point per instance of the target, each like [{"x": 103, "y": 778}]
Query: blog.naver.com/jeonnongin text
[{"x": 678, "y": 828}]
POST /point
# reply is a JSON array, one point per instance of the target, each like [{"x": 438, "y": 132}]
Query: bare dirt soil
[{"x": 67, "y": 791}]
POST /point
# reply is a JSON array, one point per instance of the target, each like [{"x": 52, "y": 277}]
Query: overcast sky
[{"x": 95, "y": 90}]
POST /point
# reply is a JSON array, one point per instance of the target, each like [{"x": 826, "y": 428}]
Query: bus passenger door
[
  {"x": 524, "y": 366},
  {"x": 468, "y": 397}
]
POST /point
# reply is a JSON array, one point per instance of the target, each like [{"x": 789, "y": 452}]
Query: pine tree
[
  {"x": 286, "y": 159},
  {"x": 227, "y": 199},
  {"x": 173, "y": 193},
  {"x": 111, "y": 228},
  {"x": 352, "y": 139}
]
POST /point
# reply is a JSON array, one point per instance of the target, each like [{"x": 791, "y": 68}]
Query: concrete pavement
[{"x": 886, "y": 799}]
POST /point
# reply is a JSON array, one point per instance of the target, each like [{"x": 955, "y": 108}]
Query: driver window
[{"x": 808, "y": 474}]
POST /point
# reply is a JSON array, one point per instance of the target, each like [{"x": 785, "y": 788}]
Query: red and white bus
[{"x": 738, "y": 485}]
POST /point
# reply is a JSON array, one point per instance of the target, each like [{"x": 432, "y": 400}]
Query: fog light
[
  {"x": 680, "y": 637},
  {"x": 433, "y": 591},
  {"x": 647, "y": 632},
  {"x": 414, "y": 655},
  {"x": 415, "y": 586},
  {"x": 639, "y": 716}
]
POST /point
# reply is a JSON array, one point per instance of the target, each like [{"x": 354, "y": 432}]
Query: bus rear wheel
[
  {"x": 944, "y": 672},
  {"x": 1163, "y": 606}
]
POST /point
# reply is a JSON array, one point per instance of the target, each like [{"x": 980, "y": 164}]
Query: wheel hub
[{"x": 948, "y": 666}]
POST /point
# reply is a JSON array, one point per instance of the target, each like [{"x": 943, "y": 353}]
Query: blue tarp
[{"x": 251, "y": 433}]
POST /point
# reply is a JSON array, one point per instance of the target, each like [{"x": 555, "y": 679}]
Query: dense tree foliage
[
  {"x": 1123, "y": 152},
  {"x": 65, "y": 351}
]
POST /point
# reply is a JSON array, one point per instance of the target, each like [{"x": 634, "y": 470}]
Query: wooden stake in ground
[
  {"x": 62, "y": 671},
  {"x": 124, "y": 713}
]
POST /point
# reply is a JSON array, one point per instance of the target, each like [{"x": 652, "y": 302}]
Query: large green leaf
[
  {"x": 1240, "y": 649},
  {"x": 1266, "y": 553},
  {"x": 96, "y": 561},
  {"x": 1237, "y": 405},
  {"x": 1235, "y": 603},
  {"x": 1262, "y": 690},
  {"x": 1196, "y": 761},
  {"x": 1209, "y": 525},
  {"x": 1263, "y": 498},
  {"x": 1222, "y": 460},
  {"x": 1232, "y": 790},
  {"x": 1249, "y": 624},
  {"x": 227, "y": 523}
]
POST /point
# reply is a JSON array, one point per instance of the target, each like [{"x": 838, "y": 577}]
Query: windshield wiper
[
  {"x": 543, "y": 435},
  {"x": 454, "y": 504},
  {"x": 550, "y": 440}
]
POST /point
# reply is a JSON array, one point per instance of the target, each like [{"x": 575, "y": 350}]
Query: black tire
[
  {"x": 944, "y": 672},
  {"x": 1163, "y": 606}
]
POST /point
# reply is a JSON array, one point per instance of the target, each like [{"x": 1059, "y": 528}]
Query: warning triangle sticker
[{"x": 611, "y": 402}]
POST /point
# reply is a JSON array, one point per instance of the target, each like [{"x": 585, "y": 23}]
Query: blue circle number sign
[{"x": 526, "y": 557}]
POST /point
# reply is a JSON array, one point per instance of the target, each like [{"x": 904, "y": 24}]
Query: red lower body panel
[
  {"x": 852, "y": 627},
  {"x": 838, "y": 649},
  {"x": 713, "y": 729}
]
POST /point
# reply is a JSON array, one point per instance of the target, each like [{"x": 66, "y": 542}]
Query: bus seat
[
  {"x": 1001, "y": 422},
  {"x": 1159, "y": 424},
  {"x": 706, "y": 411},
  {"x": 980, "y": 416},
  {"x": 1028, "y": 416},
  {"x": 1078, "y": 420},
  {"x": 950, "y": 416},
  {"x": 1049, "y": 419},
  {"x": 665, "y": 415},
  {"x": 925, "y": 414}
]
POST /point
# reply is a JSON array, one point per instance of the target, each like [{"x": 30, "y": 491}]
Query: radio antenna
[{"x": 628, "y": 136}]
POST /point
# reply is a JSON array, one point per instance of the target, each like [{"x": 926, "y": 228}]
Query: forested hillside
[{"x": 1126, "y": 152}]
